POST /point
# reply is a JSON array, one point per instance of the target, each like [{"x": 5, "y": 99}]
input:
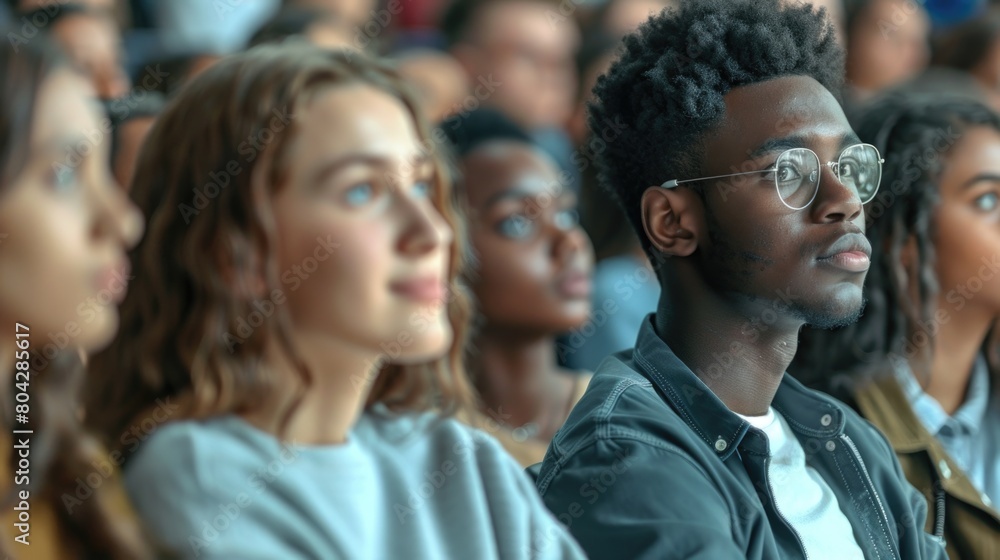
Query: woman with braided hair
[{"x": 921, "y": 363}]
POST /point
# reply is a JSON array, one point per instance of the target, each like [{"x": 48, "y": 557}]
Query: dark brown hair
[
  {"x": 62, "y": 454},
  {"x": 182, "y": 303}
]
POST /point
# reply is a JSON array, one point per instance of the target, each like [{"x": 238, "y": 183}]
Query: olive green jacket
[{"x": 966, "y": 519}]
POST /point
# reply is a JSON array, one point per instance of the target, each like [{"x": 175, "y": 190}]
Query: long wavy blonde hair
[{"x": 181, "y": 300}]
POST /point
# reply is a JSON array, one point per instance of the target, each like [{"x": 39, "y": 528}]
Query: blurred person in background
[
  {"x": 354, "y": 13},
  {"x": 530, "y": 275},
  {"x": 922, "y": 363},
  {"x": 624, "y": 281},
  {"x": 621, "y": 17},
  {"x": 974, "y": 47},
  {"x": 305, "y": 321},
  {"x": 92, "y": 41},
  {"x": 518, "y": 55},
  {"x": 215, "y": 27},
  {"x": 108, "y": 7},
  {"x": 66, "y": 228},
  {"x": 319, "y": 27},
  {"x": 438, "y": 79},
  {"x": 130, "y": 124},
  {"x": 887, "y": 43},
  {"x": 175, "y": 71}
]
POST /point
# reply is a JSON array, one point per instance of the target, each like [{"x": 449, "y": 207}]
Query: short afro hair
[{"x": 665, "y": 90}]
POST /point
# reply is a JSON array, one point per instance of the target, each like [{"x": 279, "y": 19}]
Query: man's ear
[{"x": 671, "y": 220}]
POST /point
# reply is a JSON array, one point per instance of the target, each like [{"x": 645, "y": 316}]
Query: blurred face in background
[
  {"x": 624, "y": 16},
  {"x": 331, "y": 34},
  {"x": 351, "y": 12},
  {"x": 534, "y": 262},
  {"x": 107, "y": 6},
  {"x": 94, "y": 44},
  {"x": 577, "y": 126},
  {"x": 439, "y": 81},
  {"x": 967, "y": 220},
  {"x": 524, "y": 50},
  {"x": 68, "y": 225},
  {"x": 888, "y": 45},
  {"x": 987, "y": 72}
]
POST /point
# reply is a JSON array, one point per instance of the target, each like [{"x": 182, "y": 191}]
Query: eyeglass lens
[{"x": 797, "y": 173}]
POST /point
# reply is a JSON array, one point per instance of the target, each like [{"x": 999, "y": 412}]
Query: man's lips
[{"x": 851, "y": 252}]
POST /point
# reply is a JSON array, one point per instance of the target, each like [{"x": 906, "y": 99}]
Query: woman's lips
[
  {"x": 112, "y": 282},
  {"x": 424, "y": 290},
  {"x": 575, "y": 285}
]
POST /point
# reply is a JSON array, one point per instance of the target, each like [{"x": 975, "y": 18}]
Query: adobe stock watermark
[
  {"x": 226, "y": 514},
  {"x": 417, "y": 324},
  {"x": 292, "y": 278},
  {"x": 626, "y": 287},
  {"x": 899, "y": 16},
  {"x": 958, "y": 297},
  {"x": 912, "y": 169},
  {"x": 564, "y": 11},
  {"x": 462, "y": 454},
  {"x": 589, "y": 493},
  {"x": 485, "y": 87},
  {"x": 106, "y": 468},
  {"x": 153, "y": 76},
  {"x": 87, "y": 312},
  {"x": 787, "y": 125},
  {"x": 249, "y": 149},
  {"x": 75, "y": 153},
  {"x": 30, "y": 28},
  {"x": 378, "y": 22},
  {"x": 750, "y": 332}
]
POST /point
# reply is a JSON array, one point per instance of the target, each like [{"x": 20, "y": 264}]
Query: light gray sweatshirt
[{"x": 402, "y": 487}]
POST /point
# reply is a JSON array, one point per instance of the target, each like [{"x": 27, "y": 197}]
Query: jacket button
[
  {"x": 721, "y": 445},
  {"x": 830, "y": 446},
  {"x": 944, "y": 468},
  {"x": 826, "y": 420}
]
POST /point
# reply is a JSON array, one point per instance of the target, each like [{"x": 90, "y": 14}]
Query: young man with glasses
[{"x": 745, "y": 183}]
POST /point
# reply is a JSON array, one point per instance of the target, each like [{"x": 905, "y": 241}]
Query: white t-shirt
[{"x": 801, "y": 495}]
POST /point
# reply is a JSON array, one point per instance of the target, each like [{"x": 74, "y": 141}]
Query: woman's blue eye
[
  {"x": 515, "y": 227},
  {"x": 359, "y": 195},
  {"x": 987, "y": 202},
  {"x": 63, "y": 177},
  {"x": 566, "y": 219},
  {"x": 422, "y": 189}
]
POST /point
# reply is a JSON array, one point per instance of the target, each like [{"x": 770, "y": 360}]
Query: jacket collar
[
  {"x": 969, "y": 416},
  {"x": 808, "y": 413}
]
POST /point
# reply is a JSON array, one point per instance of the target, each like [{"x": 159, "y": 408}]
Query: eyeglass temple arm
[{"x": 674, "y": 182}]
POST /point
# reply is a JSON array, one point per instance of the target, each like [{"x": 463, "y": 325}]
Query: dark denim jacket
[{"x": 651, "y": 464}]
